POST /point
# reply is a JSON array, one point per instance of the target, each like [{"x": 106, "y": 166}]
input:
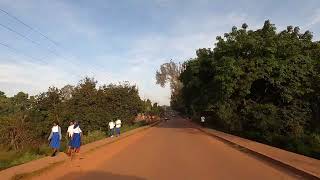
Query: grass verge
[
  {"x": 12, "y": 158},
  {"x": 27, "y": 176}
]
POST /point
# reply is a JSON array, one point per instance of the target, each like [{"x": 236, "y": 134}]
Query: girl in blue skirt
[
  {"x": 55, "y": 138},
  {"x": 76, "y": 138}
]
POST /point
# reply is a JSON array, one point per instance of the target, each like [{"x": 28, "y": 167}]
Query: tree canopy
[
  {"x": 26, "y": 120},
  {"x": 262, "y": 84}
]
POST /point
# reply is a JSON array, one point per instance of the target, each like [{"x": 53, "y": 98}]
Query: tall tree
[
  {"x": 169, "y": 73},
  {"x": 260, "y": 83}
]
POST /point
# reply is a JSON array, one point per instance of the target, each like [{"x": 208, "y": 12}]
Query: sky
[{"x": 127, "y": 40}]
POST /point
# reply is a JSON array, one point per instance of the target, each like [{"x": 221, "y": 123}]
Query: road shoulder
[
  {"x": 27, "y": 170},
  {"x": 299, "y": 164}
]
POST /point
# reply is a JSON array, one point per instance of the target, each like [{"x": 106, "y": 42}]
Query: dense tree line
[
  {"x": 25, "y": 121},
  {"x": 152, "y": 109},
  {"x": 261, "y": 84}
]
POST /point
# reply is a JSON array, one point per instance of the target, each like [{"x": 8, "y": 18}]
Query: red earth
[{"x": 172, "y": 150}]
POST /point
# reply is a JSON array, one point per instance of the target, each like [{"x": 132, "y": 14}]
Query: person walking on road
[
  {"x": 55, "y": 138},
  {"x": 69, "y": 137},
  {"x": 118, "y": 126},
  {"x": 111, "y": 128},
  {"x": 76, "y": 137},
  {"x": 203, "y": 121}
]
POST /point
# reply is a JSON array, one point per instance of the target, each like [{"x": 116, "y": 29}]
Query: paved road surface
[{"x": 172, "y": 150}]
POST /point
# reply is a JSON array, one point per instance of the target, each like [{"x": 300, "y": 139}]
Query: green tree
[
  {"x": 26, "y": 121},
  {"x": 262, "y": 84},
  {"x": 169, "y": 73}
]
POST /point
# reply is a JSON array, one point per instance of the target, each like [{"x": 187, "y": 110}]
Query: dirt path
[{"x": 171, "y": 150}]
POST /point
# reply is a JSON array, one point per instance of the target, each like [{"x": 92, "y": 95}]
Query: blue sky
[{"x": 123, "y": 40}]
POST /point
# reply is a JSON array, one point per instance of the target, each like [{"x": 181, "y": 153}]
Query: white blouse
[
  {"x": 70, "y": 130},
  {"x": 55, "y": 128},
  {"x": 77, "y": 130}
]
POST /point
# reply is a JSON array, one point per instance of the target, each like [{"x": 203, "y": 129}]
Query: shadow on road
[
  {"x": 176, "y": 123},
  {"x": 98, "y": 175},
  {"x": 180, "y": 125}
]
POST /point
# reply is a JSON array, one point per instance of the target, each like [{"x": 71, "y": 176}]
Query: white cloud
[
  {"x": 150, "y": 51},
  {"x": 35, "y": 78},
  {"x": 67, "y": 20},
  {"x": 31, "y": 77},
  {"x": 147, "y": 53},
  {"x": 138, "y": 63},
  {"x": 315, "y": 19}
]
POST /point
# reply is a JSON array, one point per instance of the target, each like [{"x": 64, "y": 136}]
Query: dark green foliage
[
  {"x": 261, "y": 84},
  {"x": 152, "y": 109},
  {"x": 25, "y": 122}
]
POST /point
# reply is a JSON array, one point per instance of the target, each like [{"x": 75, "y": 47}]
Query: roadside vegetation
[
  {"x": 261, "y": 84},
  {"x": 26, "y": 121}
]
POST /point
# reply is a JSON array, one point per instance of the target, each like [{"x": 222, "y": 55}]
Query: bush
[
  {"x": 261, "y": 84},
  {"x": 314, "y": 140},
  {"x": 44, "y": 149},
  {"x": 93, "y": 136},
  {"x": 25, "y": 157},
  {"x": 13, "y": 158},
  {"x": 6, "y": 157},
  {"x": 25, "y": 121},
  {"x": 141, "y": 123}
]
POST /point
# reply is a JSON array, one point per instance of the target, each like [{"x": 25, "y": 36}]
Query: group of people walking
[
  {"x": 114, "y": 128},
  {"x": 74, "y": 134}
]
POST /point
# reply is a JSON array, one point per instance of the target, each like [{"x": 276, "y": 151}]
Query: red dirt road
[{"x": 172, "y": 150}]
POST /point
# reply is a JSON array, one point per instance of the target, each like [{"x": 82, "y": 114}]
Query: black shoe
[{"x": 53, "y": 154}]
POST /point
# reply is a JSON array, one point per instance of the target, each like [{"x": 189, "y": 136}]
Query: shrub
[
  {"x": 44, "y": 149},
  {"x": 93, "y": 136},
  {"x": 141, "y": 123},
  {"x": 25, "y": 157},
  {"x": 13, "y": 158},
  {"x": 262, "y": 84}
]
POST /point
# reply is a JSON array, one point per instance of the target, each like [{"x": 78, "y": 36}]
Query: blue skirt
[
  {"x": 55, "y": 140},
  {"x": 76, "y": 140}
]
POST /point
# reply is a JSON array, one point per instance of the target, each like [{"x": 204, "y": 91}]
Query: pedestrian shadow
[{"x": 97, "y": 175}]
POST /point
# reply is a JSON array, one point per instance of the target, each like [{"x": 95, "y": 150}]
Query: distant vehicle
[{"x": 166, "y": 119}]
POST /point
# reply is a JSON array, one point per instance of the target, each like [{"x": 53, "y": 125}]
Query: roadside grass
[
  {"x": 6, "y": 157},
  {"x": 26, "y": 176},
  {"x": 126, "y": 127},
  {"x": 12, "y": 158},
  {"x": 93, "y": 136}
]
